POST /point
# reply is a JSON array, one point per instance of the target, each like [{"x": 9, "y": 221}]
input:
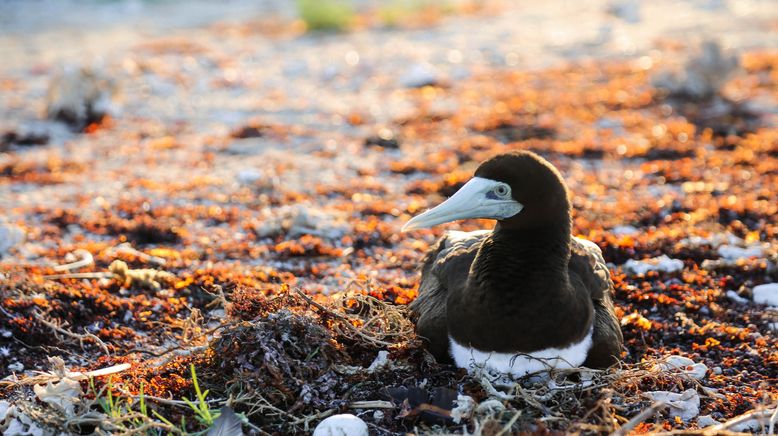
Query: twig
[
  {"x": 507, "y": 427},
  {"x": 80, "y": 337},
  {"x": 83, "y": 275},
  {"x": 773, "y": 419},
  {"x": 640, "y": 417},
  {"x": 347, "y": 322},
  {"x": 755, "y": 414},
  {"x": 375, "y": 404},
  {"x": 306, "y": 419},
  {"x": 85, "y": 260},
  {"x": 127, "y": 248},
  {"x": 183, "y": 352},
  {"x": 165, "y": 400},
  {"x": 492, "y": 391}
]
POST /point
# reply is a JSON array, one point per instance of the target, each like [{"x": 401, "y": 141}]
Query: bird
[{"x": 523, "y": 298}]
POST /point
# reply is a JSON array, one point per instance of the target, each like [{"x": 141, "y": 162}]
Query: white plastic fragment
[
  {"x": 624, "y": 230},
  {"x": 23, "y": 425},
  {"x": 732, "y": 295},
  {"x": 5, "y": 410},
  {"x": 706, "y": 421},
  {"x": 684, "y": 365},
  {"x": 61, "y": 395},
  {"x": 731, "y": 252},
  {"x": 716, "y": 240},
  {"x": 341, "y": 425},
  {"x": 685, "y": 405},
  {"x": 661, "y": 263},
  {"x": 463, "y": 409},
  {"x": 380, "y": 361},
  {"x": 766, "y": 294},
  {"x": 753, "y": 425}
]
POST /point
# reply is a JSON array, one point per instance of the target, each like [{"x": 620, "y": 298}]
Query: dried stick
[
  {"x": 40, "y": 317},
  {"x": 85, "y": 260},
  {"x": 640, "y": 417}
]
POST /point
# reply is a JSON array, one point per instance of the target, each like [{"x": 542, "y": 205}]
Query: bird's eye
[{"x": 502, "y": 190}]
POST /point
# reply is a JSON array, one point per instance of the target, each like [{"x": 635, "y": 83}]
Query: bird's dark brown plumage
[{"x": 525, "y": 286}]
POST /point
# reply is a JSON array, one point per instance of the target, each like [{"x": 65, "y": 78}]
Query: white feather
[{"x": 521, "y": 364}]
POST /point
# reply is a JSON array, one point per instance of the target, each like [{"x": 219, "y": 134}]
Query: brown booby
[{"x": 524, "y": 297}]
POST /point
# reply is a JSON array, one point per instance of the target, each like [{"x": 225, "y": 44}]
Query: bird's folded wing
[{"x": 587, "y": 263}]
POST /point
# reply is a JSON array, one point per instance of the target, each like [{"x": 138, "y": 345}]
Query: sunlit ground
[{"x": 251, "y": 163}]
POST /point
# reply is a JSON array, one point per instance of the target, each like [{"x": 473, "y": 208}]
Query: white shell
[{"x": 341, "y": 425}]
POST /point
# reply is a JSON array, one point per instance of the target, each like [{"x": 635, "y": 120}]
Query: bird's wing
[
  {"x": 588, "y": 265},
  {"x": 446, "y": 265}
]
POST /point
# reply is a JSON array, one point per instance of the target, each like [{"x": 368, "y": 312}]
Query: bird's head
[{"x": 520, "y": 190}]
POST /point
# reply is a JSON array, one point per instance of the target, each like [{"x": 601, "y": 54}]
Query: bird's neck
[{"x": 525, "y": 261}]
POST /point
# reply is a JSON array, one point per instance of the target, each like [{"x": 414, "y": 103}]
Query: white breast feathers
[{"x": 521, "y": 364}]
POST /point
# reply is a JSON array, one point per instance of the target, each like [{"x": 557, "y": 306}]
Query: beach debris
[
  {"x": 227, "y": 424},
  {"x": 732, "y": 295},
  {"x": 20, "y": 424},
  {"x": 464, "y": 406},
  {"x": 416, "y": 402},
  {"x": 385, "y": 139},
  {"x": 766, "y": 294},
  {"x": 419, "y": 75},
  {"x": 61, "y": 394},
  {"x": 706, "y": 421},
  {"x": 248, "y": 176},
  {"x": 624, "y": 230},
  {"x": 381, "y": 361},
  {"x": 685, "y": 405},
  {"x": 10, "y": 236},
  {"x": 627, "y": 10},
  {"x": 61, "y": 388},
  {"x": 297, "y": 220},
  {"x": 662, "y": 263},
  {"x": 27, "y": 137},
  {"x": 341, "y": 425},
  {"x": 703, "y": 75},
  {"x": 76, "y": 259},
  {"x": 127, "y": 248},
  {"x": 80, "y": 96},
  {"x": 145, "y": 278},
  {"x": 684, "y": 365},
  {"x": 731, "y": 252}
]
